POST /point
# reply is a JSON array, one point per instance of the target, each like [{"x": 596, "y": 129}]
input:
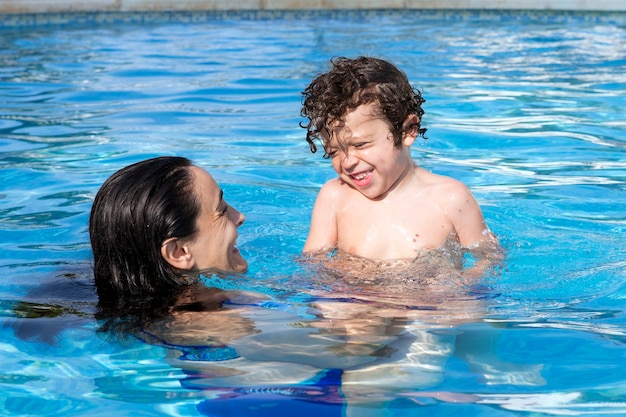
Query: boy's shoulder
[
  {"x": 441, "y": 185},
  {"x": 332, "y": 190},
  {"x": 337, "y": 193},
  {"x": 429, "y": 178},
  {"x": 335, "y": 186}
]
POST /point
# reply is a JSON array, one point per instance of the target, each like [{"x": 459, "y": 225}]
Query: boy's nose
[{"x": 348, "y": 159}]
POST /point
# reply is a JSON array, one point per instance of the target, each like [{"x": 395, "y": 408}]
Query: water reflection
[
  {"x": 345, "y": 348},
  {"x": 330, "y": 347}
]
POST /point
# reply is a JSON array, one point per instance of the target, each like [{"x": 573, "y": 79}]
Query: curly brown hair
[{"x": 353, "y": 82}]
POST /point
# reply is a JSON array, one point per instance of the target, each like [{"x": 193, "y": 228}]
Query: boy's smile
[
  {"x": 362, "y": 179},
  {"x": 363, "y": 152}
]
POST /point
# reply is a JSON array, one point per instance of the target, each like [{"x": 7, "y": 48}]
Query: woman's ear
[
  {"x": 177, "y": 254},
  {"x": 410, "y": 129}
]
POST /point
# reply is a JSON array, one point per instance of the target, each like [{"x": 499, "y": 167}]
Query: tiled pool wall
[
  {"x": 64, "y": 6},
  {"x": 30, "y": 13}
]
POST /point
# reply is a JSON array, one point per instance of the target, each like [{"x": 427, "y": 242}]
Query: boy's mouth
[{"x": 362, "y": 179}]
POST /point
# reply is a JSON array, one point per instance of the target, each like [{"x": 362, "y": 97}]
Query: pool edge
[{"x": 73, "y": 6}]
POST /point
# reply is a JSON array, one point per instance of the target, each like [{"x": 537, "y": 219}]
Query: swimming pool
[{"x": 526, "y": 108}]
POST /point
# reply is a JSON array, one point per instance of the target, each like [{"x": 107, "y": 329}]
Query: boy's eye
[
  {"x": 360, "y": 145},
  {"x": 331, "y": 153}
]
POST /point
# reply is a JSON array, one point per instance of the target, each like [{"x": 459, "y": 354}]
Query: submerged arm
[{"x": 489, "y": 256}]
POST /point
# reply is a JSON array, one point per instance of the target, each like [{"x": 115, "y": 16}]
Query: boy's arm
[
  {"x": 323, "y": 229},
  {"x": 466, "y": 215},
  {"x": 472, "y": 231}
]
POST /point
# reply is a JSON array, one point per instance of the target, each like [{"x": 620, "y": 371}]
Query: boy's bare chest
[{"x": 391, "y": 230}]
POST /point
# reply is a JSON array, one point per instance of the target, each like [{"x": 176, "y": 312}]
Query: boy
[{"x": 382, "y": 206}]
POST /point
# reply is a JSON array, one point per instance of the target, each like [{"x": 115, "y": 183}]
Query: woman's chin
[
  {"x": 238, "y": 263},
  {"x": 242, "y": 265}
]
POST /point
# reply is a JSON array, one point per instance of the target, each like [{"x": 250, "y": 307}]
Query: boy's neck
[{"x": 404, "y": 179}]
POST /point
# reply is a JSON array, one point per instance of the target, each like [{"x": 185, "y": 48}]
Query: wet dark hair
[
  {"x": 134, "y": 212},
  {"x": 353, "y": 82}
]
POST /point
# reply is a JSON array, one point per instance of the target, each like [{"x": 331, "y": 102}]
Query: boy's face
[{"x": 363, "y": 152}]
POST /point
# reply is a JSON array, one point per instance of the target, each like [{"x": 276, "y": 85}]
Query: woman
[{"x": 154, "y": 227}]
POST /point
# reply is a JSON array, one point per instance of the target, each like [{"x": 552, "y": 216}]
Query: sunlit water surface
[{"x": 526, "y": 109}]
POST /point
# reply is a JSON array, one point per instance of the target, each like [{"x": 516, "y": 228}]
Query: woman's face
[{"x": 213, "y": 246}]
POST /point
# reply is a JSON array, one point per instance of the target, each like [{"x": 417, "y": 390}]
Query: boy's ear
[
  {"x": 177, "y": 254},
  {"x": 409, "y": 129}
]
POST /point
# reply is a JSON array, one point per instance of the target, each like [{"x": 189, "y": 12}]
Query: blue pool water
[{"x": 525, "y": 108}]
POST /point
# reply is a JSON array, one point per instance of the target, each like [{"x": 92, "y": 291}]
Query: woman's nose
[{"x": 237, "y": 217}]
